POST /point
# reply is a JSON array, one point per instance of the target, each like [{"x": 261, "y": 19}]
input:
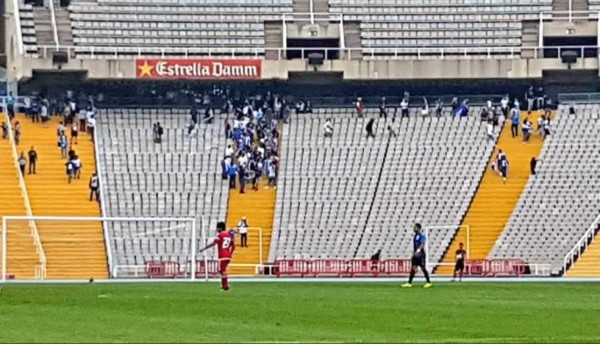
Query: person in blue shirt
[
  {"x": 514, "y": 128},
  {"x": 418, "y": 258}
]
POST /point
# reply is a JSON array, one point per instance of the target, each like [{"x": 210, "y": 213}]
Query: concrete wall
[
  {"x": 350, "y": 69},
  {"x": 579, "y": 29}
]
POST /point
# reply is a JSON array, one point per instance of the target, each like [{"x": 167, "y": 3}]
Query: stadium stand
[
  {"x": 495, "y": 195},
  {"x": 19, "y": 239},
  {"x": 555, "y": 208},
  {"x": 28, "y": 29},
  {"x": 348, "y": 196},
  {"x": 433, "y": 23},
  {"x": 130, "y": 24},
  {"x": 179, "y": 177},
  {"x": 73, "y": 250}
]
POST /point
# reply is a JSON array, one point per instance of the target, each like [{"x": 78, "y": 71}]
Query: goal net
[
  {"x": 443, "y": 239},
  {"x": 44, "y": 247}
]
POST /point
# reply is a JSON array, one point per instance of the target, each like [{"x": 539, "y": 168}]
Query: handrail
[
  {"x": 53, "y": 21},
  {"x": 391, "y": 53},
  {"x": 17, "y": 20},
  {"x": 581, "y": 244},
  {"x": 102, "y": 201},
  {"x": 40, "y": 271}
]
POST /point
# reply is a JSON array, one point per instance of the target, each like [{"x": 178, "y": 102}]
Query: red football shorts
[{"x": 223, "y": 265}]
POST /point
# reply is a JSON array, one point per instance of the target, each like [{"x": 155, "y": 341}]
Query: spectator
[
  {"x": 91, "y": 126},
  {"x": 503, "y": 165},
  {"x": 74, "y": 133},
  {"x": 32, "y": 160},
  {"x": 375, "y": 260},
  {"x": 45, "y": 115},
  {"x": 391, "y": 129},
  {"x": 328, "y": 127},
  {"x": 529, "y": 96},
  {"x": 10, "y": 106},
  {"x": 514, "y": 127},
  {"x": 425, "y": 108},
  {"x": 369, "y": 128},
  {"x": 76, "y": 167},
  {"x": 94, "y": 185},
  {"x": 532, "y": 164},
  {"x": 572, "y": 109},
  {"x": 194, "y": 114},
  {"x": 504, "y": 106},
  {"x": 35, "y": 110},
  {"x": 158, "y": 132},
  {"x": 546, "y": 124},
  {"x": 272, "y": 174},
  {"x": 81, "y": 116},
  {"x": 62, "y": 145},
  {"x": 540, "y": 126},
  {"x": 526, "y": 128},
  {"x": 490, "y": 130},
  {"x": 17, "y": 131},
  {"x": 233, "y": 171},
  {"x": 360, "y": 107},
  {"x": 539, "y": 97},
  {"x": 454, "y": 104},
  {"x": 517, "y": 104},
  {"x": 243, "y": 230},
  {"x": 439, "y": 107},
  {"x": 27, "y": 106},
  {"x": 404, "y": 107},
  {"x": 242, "y": 177},
  {"x": 70, "y": 171},
  {"x": 60, "y": 130},
  {"x": 22, "y": 163},
  {"x": 4, "y": 130},
  {"x": 382, "y": 108}
]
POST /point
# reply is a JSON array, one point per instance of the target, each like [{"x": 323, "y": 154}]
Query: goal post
[
  {"x": 104, "y": 247},
  {"x": 443, "y": 236}
]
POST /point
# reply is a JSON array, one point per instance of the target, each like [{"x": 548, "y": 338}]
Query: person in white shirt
[
  {"x": 44, "y": 115},
  {"x": 328, "y": 127},
  {"x": 243, "y": 230},
  {"x": 490, "y": 130},
  {"x": 504, "y": 105},
  {"x": 77, "y": 167},
  {"x": 404, "y": 107},
  {"x": 228, "y": 152},
  {"x": 91, "y": 125},
  {"x": 425, "y": 108}
]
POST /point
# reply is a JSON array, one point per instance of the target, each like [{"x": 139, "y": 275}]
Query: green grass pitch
[{"x": 301, "y": 312}]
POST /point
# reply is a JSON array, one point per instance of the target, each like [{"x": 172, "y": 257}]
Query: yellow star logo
[{"x": 145, "y": 69}]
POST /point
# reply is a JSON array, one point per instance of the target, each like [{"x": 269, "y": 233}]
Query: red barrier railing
[
  {"x": 213, "y": 268},
  {"x": 158, "y": 269},
  {"x": 341, "y": 267},
  {"x": 388, "y": 267}
]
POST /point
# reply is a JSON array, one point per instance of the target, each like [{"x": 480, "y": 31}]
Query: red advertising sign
[{"x": 198, "y": 69}]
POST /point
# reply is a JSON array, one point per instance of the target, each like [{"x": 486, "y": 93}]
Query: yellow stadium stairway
[
  {"x": 588, "y": 265},
  {"x": 73, "y": 249},
  {"x": 22, "y": 257},
  {"x": 494, "y": 201},
  {"x": 259, "y": 208}
]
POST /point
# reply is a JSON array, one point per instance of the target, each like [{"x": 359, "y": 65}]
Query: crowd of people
[{"x": 252, "y": 133}]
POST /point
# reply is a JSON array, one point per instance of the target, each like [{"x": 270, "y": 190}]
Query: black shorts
[
  {"x": 460, "y": 265},
  {"x": 418, "y": 260}
]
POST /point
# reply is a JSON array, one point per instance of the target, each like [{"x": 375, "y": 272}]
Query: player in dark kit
[
  {"x": 460, "y": 262},
  {"x": 225, "y": 246},
  {"x": 418, "y": 258}
]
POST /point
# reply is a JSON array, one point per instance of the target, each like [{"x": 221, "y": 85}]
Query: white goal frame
[
  {"x": 39, "y": 245},
  {"x": 458, "y": 227}
]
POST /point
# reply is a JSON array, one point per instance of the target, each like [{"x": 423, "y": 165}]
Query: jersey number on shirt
[{"x": 226, "y": 242}]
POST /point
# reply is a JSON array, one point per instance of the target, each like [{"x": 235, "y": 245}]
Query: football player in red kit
[{"x": 225, "y": 247}]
